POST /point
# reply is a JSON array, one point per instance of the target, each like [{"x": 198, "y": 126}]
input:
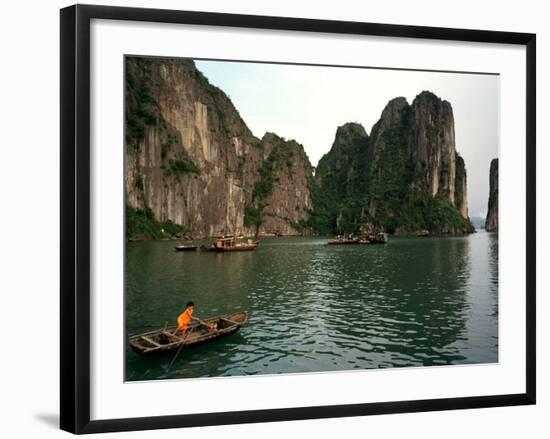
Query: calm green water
[{"x": 412, "y": 302}]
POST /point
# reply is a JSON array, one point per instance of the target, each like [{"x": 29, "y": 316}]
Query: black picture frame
[{"x": 75, "y": 217}]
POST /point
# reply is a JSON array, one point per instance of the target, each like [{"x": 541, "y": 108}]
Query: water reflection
[{"x": 414, "y": 302}]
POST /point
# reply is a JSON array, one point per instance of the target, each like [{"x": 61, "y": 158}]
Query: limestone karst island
[{"x": 194, "y": 168}]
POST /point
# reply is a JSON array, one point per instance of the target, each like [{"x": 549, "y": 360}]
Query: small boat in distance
[
  {"x": 186, "y": 248},
  {"x": 376, "y": 238},
  {"x": 422, "y": 233},
  {"x": 343, "y": 240},
  {"x": 379, "y": 238},
  {"x": 230, "y": 244},
  {"x": 164, "y": 341}
]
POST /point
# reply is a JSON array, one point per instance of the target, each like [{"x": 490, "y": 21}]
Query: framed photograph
[{"x": 272, "y": 218}]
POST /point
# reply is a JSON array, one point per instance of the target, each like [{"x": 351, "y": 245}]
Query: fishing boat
[
  {"x": 343, "y": 240},
  {"x": 186, "y": 248},
  {"x": 164, "y": 341},
  {"x": 379, "y": 238},
  {"x": 423, "y": 233},
  {"x": 230, "y": 244}
]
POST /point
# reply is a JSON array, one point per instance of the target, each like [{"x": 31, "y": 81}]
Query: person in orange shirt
[{"x": 185, "y": 318}]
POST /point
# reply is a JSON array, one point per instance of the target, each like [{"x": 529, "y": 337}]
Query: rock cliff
[
  {"x": 193, "y": 166},
  {"x": 438, "y": 167},
  {"x": 404, "y": 177},
  {"x": 491, "y": 222},
  {"x": 281, "y": 200},
  {"x": 192, "y": 160}
]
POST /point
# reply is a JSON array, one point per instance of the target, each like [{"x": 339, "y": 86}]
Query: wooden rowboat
[
  {"x": 186, "y": 248},
  {"x": 163, "y": 340}
]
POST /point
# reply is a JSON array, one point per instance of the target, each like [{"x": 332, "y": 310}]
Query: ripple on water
[{"x": 316, "y": 308}]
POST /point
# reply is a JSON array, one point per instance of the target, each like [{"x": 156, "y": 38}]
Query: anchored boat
[
  {"x": 186, "y": 248},
  {"x": 343, "y": 240},
  {"x": 230, "y": 244},
  {"x": 164, "y": 341},
  {"x": 379, "y": 238}
]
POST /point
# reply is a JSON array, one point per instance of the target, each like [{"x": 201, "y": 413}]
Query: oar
[
  {"x": 202, "y": 322},
  {"x": 182, "y": 341},
  {"x": 179, "y": 349}
]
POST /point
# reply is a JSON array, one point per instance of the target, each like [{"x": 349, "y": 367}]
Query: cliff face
[
  {"x": 432, "y": 145},
  {"x": 191, "y": 159},
  {"x": 336, "y": 170},
  {"x": 491, "y": 222},
  {"x": 281, "y": 200},
  {"x": 461, "y": 187},
  {"x": 438, "y": 167},
  {"x": 406, "y": 176}
]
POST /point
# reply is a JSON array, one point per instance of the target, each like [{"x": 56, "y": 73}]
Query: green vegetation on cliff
[
  {"x": 182, "y": 166},
  {"x": 371, "y": 183},
  {"x": 398, "y": 210},
  {"x": 141, "y": 224},
  {"x": 219, "y": 99},
  {"x": 252, "y": 216},
  {"x": 143, "y": 113},
  {"x": 141, "y": 107},
  {"x": 281, "y": 155}
]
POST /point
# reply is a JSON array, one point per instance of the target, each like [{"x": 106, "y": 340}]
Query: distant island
[
  {"x": 491, "y": 223},
  {"x": 194, "y": 169}
]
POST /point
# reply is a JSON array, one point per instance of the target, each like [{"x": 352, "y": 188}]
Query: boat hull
[
  {"x": 190, "y": 248},
  {"x": 342, "y": 242},
  {"x": 242, "y": 248},
  {"x": 162, "y": 341}
]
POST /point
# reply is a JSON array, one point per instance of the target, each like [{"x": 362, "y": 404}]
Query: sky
[{"x": 308, "y": 103}]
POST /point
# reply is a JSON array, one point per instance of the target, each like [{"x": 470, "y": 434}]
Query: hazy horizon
[{"x": 308, "y": 103}]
